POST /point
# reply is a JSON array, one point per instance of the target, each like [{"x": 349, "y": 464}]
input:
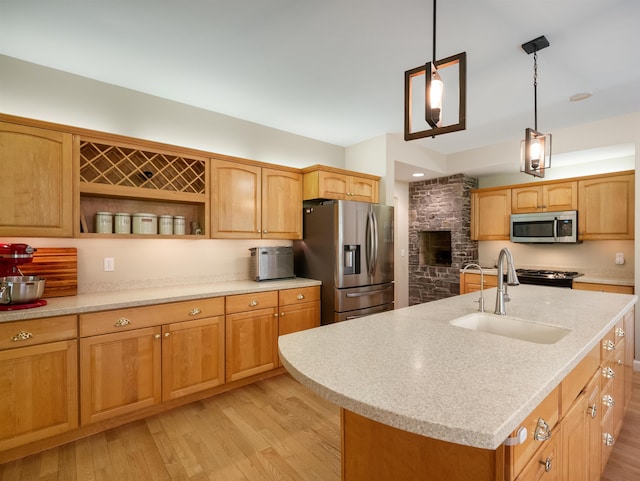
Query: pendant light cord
[
  {"x": 535, "y": 90},
  {"x": 434, "y": 32}
]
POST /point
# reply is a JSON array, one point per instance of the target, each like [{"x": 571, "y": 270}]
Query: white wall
[{"x": 401, "y": 243}]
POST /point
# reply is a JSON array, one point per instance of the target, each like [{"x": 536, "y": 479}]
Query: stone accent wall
[{"x": 440, "y": 204}]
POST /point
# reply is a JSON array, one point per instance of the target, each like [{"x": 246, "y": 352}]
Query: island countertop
[
  {"x": 120, "y": 299},
  {"x": 411, "y": 369}
]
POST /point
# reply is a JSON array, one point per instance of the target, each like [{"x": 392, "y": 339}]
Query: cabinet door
[
  {"x": 526, "y": 199},
  {"x": 332, "y": 185},
  {"x": 192, "y": 356},
  {"x": 575, "y": 441},
  {"x": 362, "y": 189},
  {"x": 594, "y": 417},
  {"x": 560, "y": 196},
  {"x": 39, "y": 392},
  {"x": 629, "y": 349},
  {"x": 281, "y": 204},
  {"x": 490, "y": 215},
  {"x": 36, "y": 185},
  {"x": 606, "y": 208},
  {"x": 119, "y": 373},
  {"x": 251, "y": 343},
  {"x": 298, "y": 318},
  {"x": 236, "y": 210},
  {"x": 545, "y": 464},
  {"x": 471, "y": 282}
]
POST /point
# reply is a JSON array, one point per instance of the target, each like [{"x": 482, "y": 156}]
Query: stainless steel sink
[{"x": 511, "y": 327}]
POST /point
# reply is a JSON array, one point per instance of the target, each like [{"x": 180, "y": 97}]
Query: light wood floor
[{"x": 274, "y": 430}]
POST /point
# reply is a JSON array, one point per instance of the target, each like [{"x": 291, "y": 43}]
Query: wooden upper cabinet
[
  {"x": 322, "y": 182},
  {"x": 281, "y": 204},
  {"x": 236, "y": 210},
  {"x": 606, "y": 207},
  {"x": 36, "y": 185},
  {"x": 550, "y": 197},
  {"x": 490, "y": 214}
]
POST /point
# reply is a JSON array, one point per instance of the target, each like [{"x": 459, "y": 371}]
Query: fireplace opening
[{"x": 435, "y": 248}]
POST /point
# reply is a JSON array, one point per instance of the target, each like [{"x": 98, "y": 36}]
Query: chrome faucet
[
  {"x": 512, "y": 280},
  {"x": 481, "y": 300}
]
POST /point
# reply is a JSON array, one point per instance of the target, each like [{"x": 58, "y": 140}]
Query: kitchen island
[{"x": 465, "y": 390}]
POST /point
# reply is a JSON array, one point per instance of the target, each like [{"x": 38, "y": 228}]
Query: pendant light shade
[
  {"x": 434, "y": 94},
  {"x": 535, "y": 149}
]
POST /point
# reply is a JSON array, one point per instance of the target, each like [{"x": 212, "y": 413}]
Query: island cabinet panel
[
  {"x": 36, "y": 185},
  {"x": 544, "y": 466},
  {"x": 372, "y": 451},
  {"x": 491, "y": 214},
  {"x": 575, "y": 443},
  {"x": 606, "y": 207},
  {"x": 594, "y": 436},
  {"x": 38, "y": 392},
  {"x": 629, "y": 354}
]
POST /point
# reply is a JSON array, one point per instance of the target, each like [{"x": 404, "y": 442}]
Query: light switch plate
[{"x": 109, "y": 264}]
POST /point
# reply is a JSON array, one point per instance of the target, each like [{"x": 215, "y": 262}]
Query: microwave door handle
[{"x": 555, "y": 228}]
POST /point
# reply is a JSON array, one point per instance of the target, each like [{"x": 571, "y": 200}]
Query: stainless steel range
[{"x": 547, "y": 277}]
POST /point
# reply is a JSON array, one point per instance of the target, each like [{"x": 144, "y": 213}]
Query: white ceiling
[{"x": 333, "y": 70}]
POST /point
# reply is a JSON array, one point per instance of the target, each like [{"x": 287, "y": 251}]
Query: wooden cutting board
[{"x": 59, "y": 266}]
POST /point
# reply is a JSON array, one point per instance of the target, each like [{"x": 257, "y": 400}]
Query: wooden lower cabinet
[
  {"x": 38, "y": 392},
  {"x": 594, "y": 436},
  {"x": 299, "y": 310},
  {"x": 119, "y": 373},
  {"x": 192, "y": 356},
  {"x": 470, "y": 282},
  {"x": 575, "y": 442},
  {"x": 545, "y": 464}
]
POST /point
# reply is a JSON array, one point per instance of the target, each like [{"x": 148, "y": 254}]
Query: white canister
[
  {"x": 104, "y": 222},
  {"x": 165, "y": 224},
  {"x": 178, "y": 225},
  {"x": 145, "y": 223},
  {"x": 122, "y": 223}
]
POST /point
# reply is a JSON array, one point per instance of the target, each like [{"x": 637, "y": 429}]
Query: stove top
[{"x": 547, "y": 277}]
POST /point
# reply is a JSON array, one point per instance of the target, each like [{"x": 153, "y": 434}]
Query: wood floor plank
[{"x": 273, "y": 430}]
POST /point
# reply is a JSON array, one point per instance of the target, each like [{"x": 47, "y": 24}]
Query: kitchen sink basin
[{"x": 511, "y": 327}]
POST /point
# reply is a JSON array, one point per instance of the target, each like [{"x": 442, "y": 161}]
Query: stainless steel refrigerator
[{"x": 349, "y": 247}]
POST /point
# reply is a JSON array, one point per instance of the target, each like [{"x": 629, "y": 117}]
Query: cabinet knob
[
  {"x": 543, "y": 431},
  {"x": 123, "y": 321},
  {"x": 253, "y": 303},
  {"x": 300, "y": 297},
  {"x": 608, "y": 401},
  {"x": 264, "y": 231},
  {"x": 593, "y": 410},
  {"x": 276, "y": 314},
  {"x": 608, "y": 345},
  {"x": 167, "y": 334},
  {"x": 157, "y": 336},
  {"x": 22, "y": 336},
  {"x": 608, "y": 439},
  {"x": 547, "y": 464},
  {"x": 282, "y": 314},
  {"x": 619, "y": 332},
  {"x": 195, "y": 311},
  {"x": 608, "y": 373}
]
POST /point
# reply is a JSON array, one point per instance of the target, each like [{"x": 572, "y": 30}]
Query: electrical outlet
[
  {"x": 619, "y": 258},
  {"x": 109, "y": 264}
]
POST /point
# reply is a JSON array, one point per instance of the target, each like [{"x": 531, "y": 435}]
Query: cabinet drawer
[
  {"x": 119, "y": 320},
  {"x": 37, "y": 331},
  {"x": 252, "y": 302},
  {"x": 578, "y": 378},
  {"x": 300, "y": 295},
  {"x": 519, "y": 455},
  {"x": 545, "y": 465}
]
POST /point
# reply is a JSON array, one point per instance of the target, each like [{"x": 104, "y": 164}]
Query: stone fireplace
[{"x": 439, "y": 236}]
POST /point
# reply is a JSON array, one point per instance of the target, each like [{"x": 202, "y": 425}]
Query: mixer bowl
[{"x": 20, "y": 289}]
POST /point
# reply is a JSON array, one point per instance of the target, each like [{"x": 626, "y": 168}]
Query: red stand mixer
[{"x": 16, "y": 290}]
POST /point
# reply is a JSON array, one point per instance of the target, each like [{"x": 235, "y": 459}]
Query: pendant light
[
  {"x": 434, "y": 93},
  {"x": 535, "y": 149}
]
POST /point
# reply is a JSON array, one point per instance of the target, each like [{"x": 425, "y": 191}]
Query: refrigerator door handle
[
  {"x": 369, "y": 244},
  {"x": 368, "y": 293},
  {"x": 374, "y": 238}
]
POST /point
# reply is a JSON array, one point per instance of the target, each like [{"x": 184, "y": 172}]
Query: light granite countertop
[
  {"x": 100, "y": 301},
  {"x": 411, "y": 369}
]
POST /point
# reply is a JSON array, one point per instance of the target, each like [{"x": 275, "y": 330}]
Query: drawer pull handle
[
  {"x": 608, "y": 345},
  {"x": 22, "y": 336},
  {"x": 300, "y": 297},
  {"x": 543, "y": 431},
  {"x": 195, "y": 311},
  {"x": 547, "y": 464},
  {"x": 123, "y": 321},
  {"x": 593, "y": 410},
  {"x": 608, "y": 439},
  {"x": 253, "y": 303},
  {"x": 619, "y": 332}
]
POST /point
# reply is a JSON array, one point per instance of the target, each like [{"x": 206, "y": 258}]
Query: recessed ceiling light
[
  {"x": 418, "y": 174},
  {"x": 580, "y": 96}
]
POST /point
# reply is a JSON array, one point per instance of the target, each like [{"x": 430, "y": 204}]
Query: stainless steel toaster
[{"x": 271, "y": 263}]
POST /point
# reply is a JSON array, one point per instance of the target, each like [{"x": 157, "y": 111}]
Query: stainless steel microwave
[{"x": 545, "y": 227}]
